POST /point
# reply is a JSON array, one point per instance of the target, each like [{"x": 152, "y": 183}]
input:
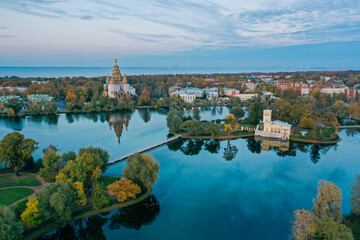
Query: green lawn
[
  {"x": 22, "y": 180},
  {"x": 8, "y": 196},
  {"x": 107, "y": 180}
]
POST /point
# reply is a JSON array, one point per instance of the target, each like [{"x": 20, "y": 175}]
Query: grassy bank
[
  {"x": 22, "y": 180},
  {"x": 49, "y": 224},
  {"x": 10, "y": 195},
  {"x": 221, "y": 137}
]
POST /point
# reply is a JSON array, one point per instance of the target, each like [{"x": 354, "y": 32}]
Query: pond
[{"x": 239, "y": 189}]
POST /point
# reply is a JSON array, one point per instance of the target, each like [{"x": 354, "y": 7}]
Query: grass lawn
[
  {"x": 22, "y": 180},
  {"x": 8, "y": 196},
  {"x": 107, "y": 180}
]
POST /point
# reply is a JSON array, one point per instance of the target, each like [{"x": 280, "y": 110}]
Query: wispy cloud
[{"x": 183, "y": 24}]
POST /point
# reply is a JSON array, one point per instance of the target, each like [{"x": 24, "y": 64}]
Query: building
[
  {"x": 12, "y": 89},
  {"x": 187, "y": 97},
  {"x": 39, "y": 99},
  {"x": 173, "y": 89},
  {"x": 246, "y": 96},
  {"x": 4, "y": 100},
  {"x": 272, "y": 129},
  {"x": 251, "y": 87},
  {"x": 231, "y": 92},
  {"x": 199, "y": 92},
  {"x": 117, "y": 85}
]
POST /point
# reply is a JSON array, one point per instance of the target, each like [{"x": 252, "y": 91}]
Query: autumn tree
[
  {"x": 304, "y": 226},
  {"x": 231, "y": 123},
  {"x": 85, "y": 168},
  {"x": 57, "y": 200},
  {"x": 10, "y": 229},
  {"x": 123, "y": 189},
  {"x": 31, "y": 215},
  {"x": 15, "y": 150},
  {"x": 355, "y": 195},
  {"x": 142, "y": 169},
  {"x": 331, "y": 229},
  {"x": 144, "y": 98},
  {"x": 102, "y": 153},
  {"x": 307, "y": 122},
  {"x": 327, "y": 205}
]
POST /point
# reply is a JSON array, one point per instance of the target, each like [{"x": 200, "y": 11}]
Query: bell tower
[{"x": 267, "y": 115}]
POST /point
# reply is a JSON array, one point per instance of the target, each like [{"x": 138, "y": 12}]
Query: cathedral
[{"x": 115, "y": 86}]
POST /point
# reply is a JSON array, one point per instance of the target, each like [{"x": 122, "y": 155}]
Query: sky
[{"x": 166, "y": 33}]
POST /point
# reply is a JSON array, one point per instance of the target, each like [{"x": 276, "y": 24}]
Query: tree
[
  {"x": 85, "y": 168},
  {"x": 144, "y": 98},
  {"x": 355, "y": 195},
  {"x": 231, "y": 124},
  {"x": 57, "y": 200},
  {"x": 303, "y": 227},
  {"x": 15, "y": 150},
  {"x": 81, "y": 196},
  {"x": 31, "y": 215},
  {"x": 102, "y": 153},
  {"x": 237, "y": 111},
  {"x": 327, "y": 205},
  {"x": 52, "y": 165},
  {"x": 193, "y": 127},
  {"x": 142, "y": 169},
  {"x": 212, "y": 128},
  {"x": 123, "y": 189},
  {"x": 98, "y": 198},
  {"x": 255, "y": 112},
  {"x": 308, "y": 123},
  {"x": 51, "y": 108},
  {"x": 174, "y": 121},
  {"x": 14, "y": 104},
  {"x": 71, "y": 155},
  {"x": 330, "y": 229},
  {"x": 196, "y": 113},
  {"x": 10, "y": 229}
]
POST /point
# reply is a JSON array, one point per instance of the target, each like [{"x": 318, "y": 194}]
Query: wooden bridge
[{"x": 119, "y": 159}]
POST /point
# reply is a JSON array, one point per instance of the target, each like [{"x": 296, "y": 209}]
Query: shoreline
[{"x": 79, "y": 214}]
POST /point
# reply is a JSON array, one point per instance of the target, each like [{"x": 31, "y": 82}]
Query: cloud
[{"x": 184, "y": 25}]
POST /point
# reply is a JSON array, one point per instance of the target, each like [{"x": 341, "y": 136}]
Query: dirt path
[{"x": 35, "y": 188}]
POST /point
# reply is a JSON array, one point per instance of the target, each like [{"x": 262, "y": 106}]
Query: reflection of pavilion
[
  {"x": 118, "y": 121},
  {"x": 267, "y": 143}
]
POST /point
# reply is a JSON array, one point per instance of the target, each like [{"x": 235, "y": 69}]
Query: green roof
[
  {"x": 40, "y": 98},
  {"x": 5, "y": 99}
]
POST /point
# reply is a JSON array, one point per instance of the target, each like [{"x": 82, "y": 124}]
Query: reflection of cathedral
[
  {"x": 118, "y": 121},
  {"x": 267, "y": 143},
  {"x": 114, "y": 87}
]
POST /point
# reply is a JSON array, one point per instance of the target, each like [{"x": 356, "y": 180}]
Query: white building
[
  {"x": 116, "y": 86},
  {"x": 231, "y": 92},
  {"x": 198, "y": 92},
  {"x": 187, "y": 97},
  {"x": 246, "y": 96}
]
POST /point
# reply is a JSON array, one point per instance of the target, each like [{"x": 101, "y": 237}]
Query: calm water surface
[{"x": 200, "y": 194}]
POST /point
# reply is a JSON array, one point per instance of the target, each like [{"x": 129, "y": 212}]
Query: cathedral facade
[{"x": 116, "y": 85}]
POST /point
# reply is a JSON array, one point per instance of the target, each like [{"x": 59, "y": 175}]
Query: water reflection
[
  {"x": 91, "y": 228},
  {"x": 136, "y": 216},
  {"x": 230, "y": 151},
  {"x": 117, "y": 121},
  {"x": 254, "y": 145},
  {"x": 351, "y": 132}
]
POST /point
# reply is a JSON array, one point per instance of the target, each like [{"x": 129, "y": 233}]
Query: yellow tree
[
  {"x": 31, "y": 215},
  {"x": 231, "y": 123},
  {"x": 303, "y": 227},
  {"x": 123, "y": 189},
  {"x": 81, "y": 197}
]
